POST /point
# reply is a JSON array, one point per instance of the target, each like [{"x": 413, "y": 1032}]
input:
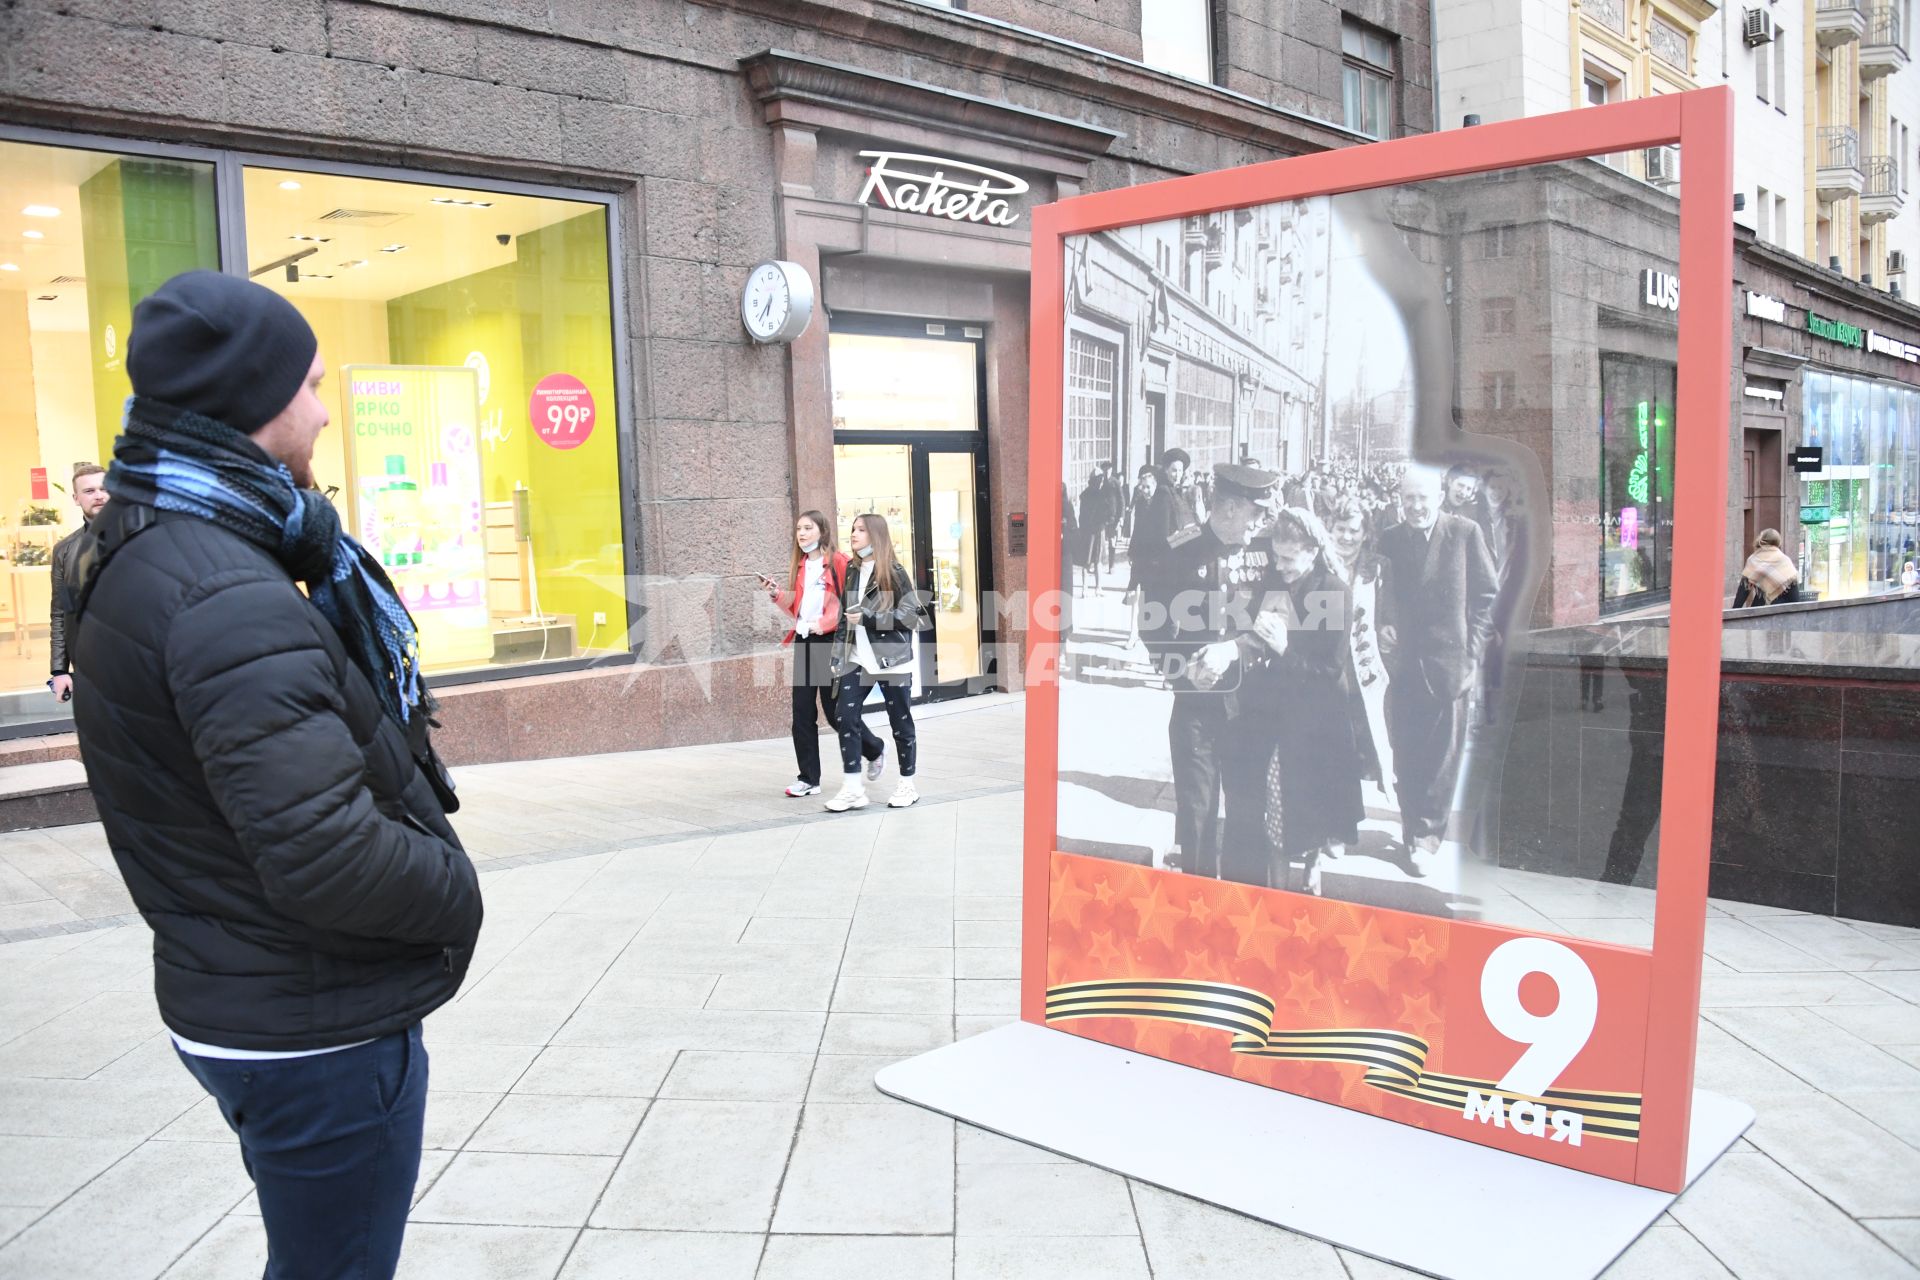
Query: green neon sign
[
  {"x": 1637, "y": 478},
  {"x": 1847, "y": 335}
]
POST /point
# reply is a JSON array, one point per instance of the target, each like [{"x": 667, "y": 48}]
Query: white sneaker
[
  {"x": 801, "y": 787},
  {"x": 903, "y": 795},
  {"x": 852, "y": 795},
  {"x": 877, "y": 765}
]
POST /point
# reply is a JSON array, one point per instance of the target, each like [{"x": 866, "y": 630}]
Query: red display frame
[{"x": 1665, "y": 1016}]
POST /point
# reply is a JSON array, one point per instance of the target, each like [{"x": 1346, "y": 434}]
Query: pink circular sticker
[{"x": 562, "y": 411}]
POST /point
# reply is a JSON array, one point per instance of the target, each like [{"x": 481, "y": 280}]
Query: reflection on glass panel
[
  {"x": 469, "y": 346},
  {"x": 1395, "y": 688},
  {"x": 1860, "y": 513},
  {"x": 1636, "y": 460},
  {"x": 877, "y": 478},
  {"x": 886, "y": 383},
  {"x": 93, "y": 233},
  {"x": 955, "y": 539}
]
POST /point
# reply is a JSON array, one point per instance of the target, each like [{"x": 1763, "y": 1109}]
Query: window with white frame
[
  {"x": 1366, "y": 78},
  {"x": 1177, "y": 36}
]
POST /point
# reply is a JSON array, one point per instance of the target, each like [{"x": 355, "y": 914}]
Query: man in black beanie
[{"x": 260, "y": 761}]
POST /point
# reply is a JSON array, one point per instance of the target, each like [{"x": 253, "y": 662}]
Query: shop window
[
  {"x": 1264, "y": 433},
  {"x": 1203, "y": 415},
  {"x": 88, "y": 235},
  {"x": 1090, "y": 407},
  {"x": 1860, "y": 515},
  {"x": 468, "y": 337},
  {"x": 1636, "y": 478},
  {"x": 1366, "y": 78},
  {"x": 1177, "y": 36},
  {"x": 1498, "y": 391},
  {"x": 885, "y": 382}
]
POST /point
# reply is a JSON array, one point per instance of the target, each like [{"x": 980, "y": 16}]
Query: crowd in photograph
[{"x": 1318, "y": 631}]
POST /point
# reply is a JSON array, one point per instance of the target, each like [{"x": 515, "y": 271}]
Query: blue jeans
[{"x": 332, "y": 1142}]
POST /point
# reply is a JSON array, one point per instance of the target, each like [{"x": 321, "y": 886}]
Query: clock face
[
  {"x": 767, "y": 302},
  {"x": 777, "y": 302}
]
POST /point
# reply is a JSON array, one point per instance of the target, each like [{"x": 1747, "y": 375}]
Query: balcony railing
[
  {"x": 1881, "y": 50},
  {"x": 1880, "y": 197},
  {"x": 1837, "y": 146},
  {"x": 1837, "y": 157},
  {"x": 1880, "y": 176},
  {"x": 1837, "y": 22}
]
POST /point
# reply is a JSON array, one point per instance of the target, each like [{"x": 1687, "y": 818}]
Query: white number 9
[{"x": 1554, "y": 1040}]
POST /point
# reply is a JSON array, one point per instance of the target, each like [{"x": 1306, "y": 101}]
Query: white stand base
[{"x": 1404, "y": 1195}]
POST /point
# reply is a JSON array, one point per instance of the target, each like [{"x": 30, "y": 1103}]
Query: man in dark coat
[
  {"x": 257, "y": 757},
  {"x": 1441, "y": 615},
  {"x": 90, "y": 495},
  {"x": 1197, "y": 617}
]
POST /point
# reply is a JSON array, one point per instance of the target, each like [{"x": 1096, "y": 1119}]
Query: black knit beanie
[{"x": 221, "y": 346}]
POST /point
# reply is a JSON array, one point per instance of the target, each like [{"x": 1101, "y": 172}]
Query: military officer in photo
[{"x": 1197, "y": 611}]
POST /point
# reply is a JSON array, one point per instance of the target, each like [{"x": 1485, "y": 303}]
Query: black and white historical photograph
[{"x": 1289, "y": 599}]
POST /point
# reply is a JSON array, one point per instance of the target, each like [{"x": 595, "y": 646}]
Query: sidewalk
[{"x": 662, "y": 1064}]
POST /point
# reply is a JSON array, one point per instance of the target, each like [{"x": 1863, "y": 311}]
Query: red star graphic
[
  {"x": 1102, "y": 951},
  {"x": 1419, "y": 948},
  {"x": 1153, "y": 912},
  {"x": 1197, "y": 908},
  {"x": 1260, "y": 935},
  {"x": 1303, "y": 993},
  {"x": 1418, "y": 1016},
  {"x": 1368, "y": 955},
  {"x": 1103, "y": 891},
  {"x": 1199, "y": 965},
  {"x": 1066, "y": 900},
  {"x": 1303, "y": 927}
]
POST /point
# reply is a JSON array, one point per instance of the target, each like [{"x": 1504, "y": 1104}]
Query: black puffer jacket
[{"x": 303, "y": 884}]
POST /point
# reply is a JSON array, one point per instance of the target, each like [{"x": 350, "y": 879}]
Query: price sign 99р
[{"x": 562, "y": 411}]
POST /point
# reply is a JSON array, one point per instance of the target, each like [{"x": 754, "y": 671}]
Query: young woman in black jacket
[{"x": 880, "y": 613}]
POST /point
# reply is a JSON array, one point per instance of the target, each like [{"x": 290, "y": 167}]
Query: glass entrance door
[{"x": 910, "y": 445}]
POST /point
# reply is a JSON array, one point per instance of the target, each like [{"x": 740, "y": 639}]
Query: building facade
[
  {"x": 523, "y": 239},
  {"x": 1824, "y": 228}
]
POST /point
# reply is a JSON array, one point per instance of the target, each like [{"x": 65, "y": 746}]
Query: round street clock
[{"x": 777, "y": 302}]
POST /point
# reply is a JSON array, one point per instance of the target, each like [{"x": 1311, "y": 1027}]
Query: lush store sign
[{"x": 1847, "y": 335}]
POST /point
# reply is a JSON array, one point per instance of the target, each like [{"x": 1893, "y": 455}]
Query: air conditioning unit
[
  {"x": 1663, "y": 165},
  {"x": 1896, "y": 261},
  {"x": 1758, "y": 27}
]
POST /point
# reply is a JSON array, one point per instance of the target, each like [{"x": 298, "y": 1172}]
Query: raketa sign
[{"x": 913, "y": 183}]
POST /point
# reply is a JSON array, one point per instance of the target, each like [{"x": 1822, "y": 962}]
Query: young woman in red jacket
[{"x": 816, "y": 575}]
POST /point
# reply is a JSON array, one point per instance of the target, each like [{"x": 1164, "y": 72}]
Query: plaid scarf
[
  {"x": 177, "y": 460},
  {"x": 1771, "y": 572}
]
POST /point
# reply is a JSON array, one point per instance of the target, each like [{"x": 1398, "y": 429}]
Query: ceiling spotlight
[
  {"x": 289, "y": 185},
  {"x": 8, "y": 266},
  {"x": 464, "y": 204},
  {"x": 41, "y": 211},
  {"x": 392, "y": 248},
  {"x": 313, "y": 239},
  {"x": 357, "y": 262},
  {"x": 33, "y": 235}
]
